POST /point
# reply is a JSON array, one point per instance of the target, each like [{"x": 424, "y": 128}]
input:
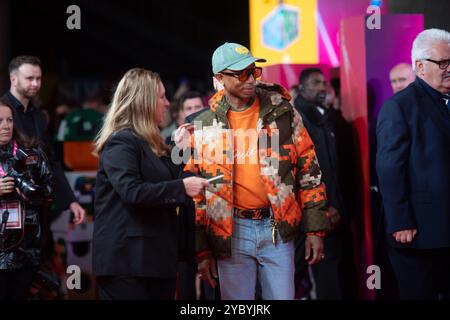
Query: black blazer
[
  {"x": 413, "y": 166},
  {"x": 322, "y": 130},
  {"x": 135, "y": 217}
]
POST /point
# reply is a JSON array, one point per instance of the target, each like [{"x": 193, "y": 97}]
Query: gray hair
[{"x": 423, "y": 43}]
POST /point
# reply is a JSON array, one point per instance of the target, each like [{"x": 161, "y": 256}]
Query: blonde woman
[{"x": 137, "y": 193}]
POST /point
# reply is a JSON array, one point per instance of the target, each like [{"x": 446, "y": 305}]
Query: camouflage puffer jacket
[{"x": 290, "y": 172}]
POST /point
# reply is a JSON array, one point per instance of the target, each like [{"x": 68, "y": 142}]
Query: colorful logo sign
[
  {"x": 284, "y": 31},
  {"x": 280, "y": 28}
]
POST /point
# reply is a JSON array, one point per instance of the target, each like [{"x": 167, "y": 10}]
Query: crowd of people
[{"x": 243, "y": 193}]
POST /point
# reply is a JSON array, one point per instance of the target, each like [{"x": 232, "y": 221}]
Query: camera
[
  {"x": 25, "y": 185},
  {"x": 29, "y": 169}
]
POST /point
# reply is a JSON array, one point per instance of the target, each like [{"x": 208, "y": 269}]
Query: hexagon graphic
[{"x": 281, "y": 27}]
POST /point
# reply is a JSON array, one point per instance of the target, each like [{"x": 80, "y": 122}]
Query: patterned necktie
[{"x": 446, "y": 98}]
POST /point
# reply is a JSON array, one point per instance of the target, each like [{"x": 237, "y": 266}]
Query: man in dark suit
[
  {"x": 413, "y": 167},
  {"x": 25, "y": 76},
  {"x": 321, "y": 124}
]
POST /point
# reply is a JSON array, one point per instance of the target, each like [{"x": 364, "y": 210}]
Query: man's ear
[
  {"x": 12, "y": 77},
  {"x": 419, "y": 66},
  {"x": 218, "y": 84},
  {"x": 219, "y": 77}
]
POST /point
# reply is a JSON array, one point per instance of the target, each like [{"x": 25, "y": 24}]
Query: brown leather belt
[{"x": 255, "y": 214}]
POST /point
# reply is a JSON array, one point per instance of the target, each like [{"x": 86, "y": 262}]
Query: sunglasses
[{"x": 245, "y": 74}]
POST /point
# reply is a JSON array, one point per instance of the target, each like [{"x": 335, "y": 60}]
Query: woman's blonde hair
[{"x": 133, "y": 107}]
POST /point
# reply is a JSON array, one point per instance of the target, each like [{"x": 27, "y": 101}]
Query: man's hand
[
  {"x": 405, "y": 236},
  {"x": 208, "y": 270},
  {"x": 334, "y": 216},
  {"x": 314, "y": 243},
  {"x": 78, "y": 212}
]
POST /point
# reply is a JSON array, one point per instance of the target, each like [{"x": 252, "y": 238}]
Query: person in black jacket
[
  {"x": 321, "y": 124},
  {"x": 413, "y": 167},
  {"x": 135, "y": 242},
  {"x": 25, "y": 184},
  {"x": 25, "y": 75}
]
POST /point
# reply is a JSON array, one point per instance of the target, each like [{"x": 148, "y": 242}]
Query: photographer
[{"x": 24, "y": 187}]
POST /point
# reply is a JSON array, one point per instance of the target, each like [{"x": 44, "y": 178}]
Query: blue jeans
[{"x": 254, "y": 256}]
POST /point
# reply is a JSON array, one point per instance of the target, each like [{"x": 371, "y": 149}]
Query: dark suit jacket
[
  {"x": 34, "y": 125},
  {"x": 135, "y": 218},
  {"x": 322, "y": 129},
  {"x": 413, "y": 166}
]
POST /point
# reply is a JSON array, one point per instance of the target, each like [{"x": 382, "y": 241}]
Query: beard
[
  {"x": 320, "y": 99},
  {"x": 27, "y": 92}
]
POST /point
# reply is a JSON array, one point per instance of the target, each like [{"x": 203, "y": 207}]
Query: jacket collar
[
  {"x": 272, "y": 98},
  {"x": 433, "y": 93},
  {"x": 309, "y": 110},
  {"x": 437, "y": 113},
  {"x": 17, "y": 104}
]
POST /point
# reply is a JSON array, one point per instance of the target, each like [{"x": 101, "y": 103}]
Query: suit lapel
[
  {"x": 161, "y": 169},
  {"x": 430, "y": 107}
]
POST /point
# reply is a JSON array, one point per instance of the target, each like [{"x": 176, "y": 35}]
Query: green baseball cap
[{"x": 232, "y": 56}]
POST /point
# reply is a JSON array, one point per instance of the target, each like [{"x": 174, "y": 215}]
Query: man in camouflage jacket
[{"x": 289, "y": 176}]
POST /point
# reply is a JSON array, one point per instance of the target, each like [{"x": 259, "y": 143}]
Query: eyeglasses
[
  {"x": 245, "y": 74},
  {"x": 443, "y": 64}
]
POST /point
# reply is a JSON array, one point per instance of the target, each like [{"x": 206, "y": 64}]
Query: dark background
[{"x": 173, "y": 37}]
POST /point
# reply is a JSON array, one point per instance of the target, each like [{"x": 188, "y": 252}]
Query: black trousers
[
  {"x": 135, "y": 288},
  {"x": 186, "y": 280},
  {"x": 422, "y": 274},
  {"x": 16, "y": 284},
  {"x": 335, "y": 275}
]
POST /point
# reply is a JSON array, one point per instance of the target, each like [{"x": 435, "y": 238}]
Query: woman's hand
[
  {"x": 6, "y": 185},
  {"x": 194, "y": 185}
]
